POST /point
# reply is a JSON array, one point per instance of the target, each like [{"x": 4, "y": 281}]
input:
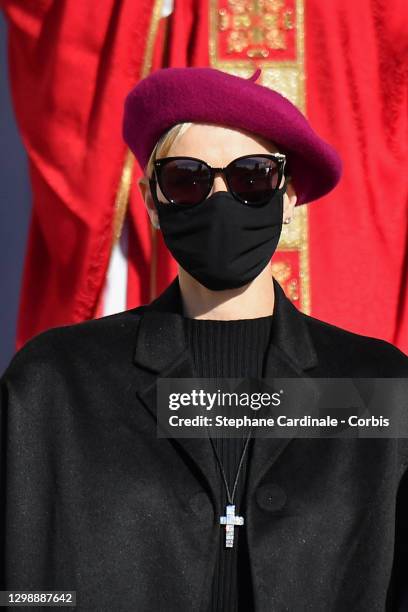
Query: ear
[
  {"x": 144, "y": 187},
  {"x": 289, "y": 203}
]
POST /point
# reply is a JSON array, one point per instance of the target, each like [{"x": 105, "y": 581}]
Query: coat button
[
  {"x": 270, "y": 497},
  {"x": 201, "y": 505}
]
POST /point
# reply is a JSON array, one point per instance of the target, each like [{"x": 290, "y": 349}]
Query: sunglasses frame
[{"x": 278, "y": 158}]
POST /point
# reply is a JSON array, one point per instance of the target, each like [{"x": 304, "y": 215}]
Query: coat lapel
[
  {"x": 162, "y": 352},
  {"x": 290, "y": 354}
]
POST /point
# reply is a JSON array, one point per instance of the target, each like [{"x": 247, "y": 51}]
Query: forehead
[{"x": 219, "y": 144}]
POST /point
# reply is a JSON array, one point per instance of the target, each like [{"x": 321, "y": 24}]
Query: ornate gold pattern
[
  {"x": 285, "y": 268},
  {"x": 281, "y": 270},
  {"x": 257, "y": 28},
  {"x": 284, "y": 73}
]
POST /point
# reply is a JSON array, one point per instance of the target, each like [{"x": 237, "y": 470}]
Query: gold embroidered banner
[{"x": 245, "y": 34}]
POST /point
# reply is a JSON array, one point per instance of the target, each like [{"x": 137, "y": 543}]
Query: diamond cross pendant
[{"x": 230, "y": 520}]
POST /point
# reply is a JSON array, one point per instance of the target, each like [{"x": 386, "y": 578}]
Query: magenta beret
[{"x": 207, "y": 95}]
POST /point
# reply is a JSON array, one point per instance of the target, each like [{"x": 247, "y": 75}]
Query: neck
[{"x": 256, "y": 299}]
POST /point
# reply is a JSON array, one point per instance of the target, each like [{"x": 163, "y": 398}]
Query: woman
[{"x": 96, "y": 501}]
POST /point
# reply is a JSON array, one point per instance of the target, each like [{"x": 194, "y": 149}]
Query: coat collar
[
  {"x": 161, "y": 337},
  {"x": 162, "y": 351}
]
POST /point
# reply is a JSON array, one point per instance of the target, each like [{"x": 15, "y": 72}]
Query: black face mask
[{"x": 221, "y": 242}]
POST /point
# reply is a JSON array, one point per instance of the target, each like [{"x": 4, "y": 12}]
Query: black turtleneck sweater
[{"x": 230, "y": 349}]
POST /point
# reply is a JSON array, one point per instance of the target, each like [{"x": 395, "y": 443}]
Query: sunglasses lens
[
  {"x": 254, "y": 179},
  {"x": 184, "y": 181}
]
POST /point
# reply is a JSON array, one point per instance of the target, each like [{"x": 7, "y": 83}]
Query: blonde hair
[{"x": 163, "y": 146}]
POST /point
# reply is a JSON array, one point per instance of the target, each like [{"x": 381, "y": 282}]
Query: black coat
[{"x": 94, "y": 501}]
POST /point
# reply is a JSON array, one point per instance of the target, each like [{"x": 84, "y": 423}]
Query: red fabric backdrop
[
  {"x": 356, "y": 88},
  {"x": 71, "y": 64}
]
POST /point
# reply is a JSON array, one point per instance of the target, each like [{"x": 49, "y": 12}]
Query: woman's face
[{"x": 217, "y": 145}]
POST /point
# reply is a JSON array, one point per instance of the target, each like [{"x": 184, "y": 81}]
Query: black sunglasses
[{"x": 251, "y": 179}]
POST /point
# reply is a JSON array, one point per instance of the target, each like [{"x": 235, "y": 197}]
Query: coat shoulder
[
  {"x": 63, "y": 346},
  {"x": 352, "y": 352}
]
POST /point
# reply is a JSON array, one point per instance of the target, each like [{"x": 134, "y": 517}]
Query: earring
[{"x": 288, "y": 220}]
